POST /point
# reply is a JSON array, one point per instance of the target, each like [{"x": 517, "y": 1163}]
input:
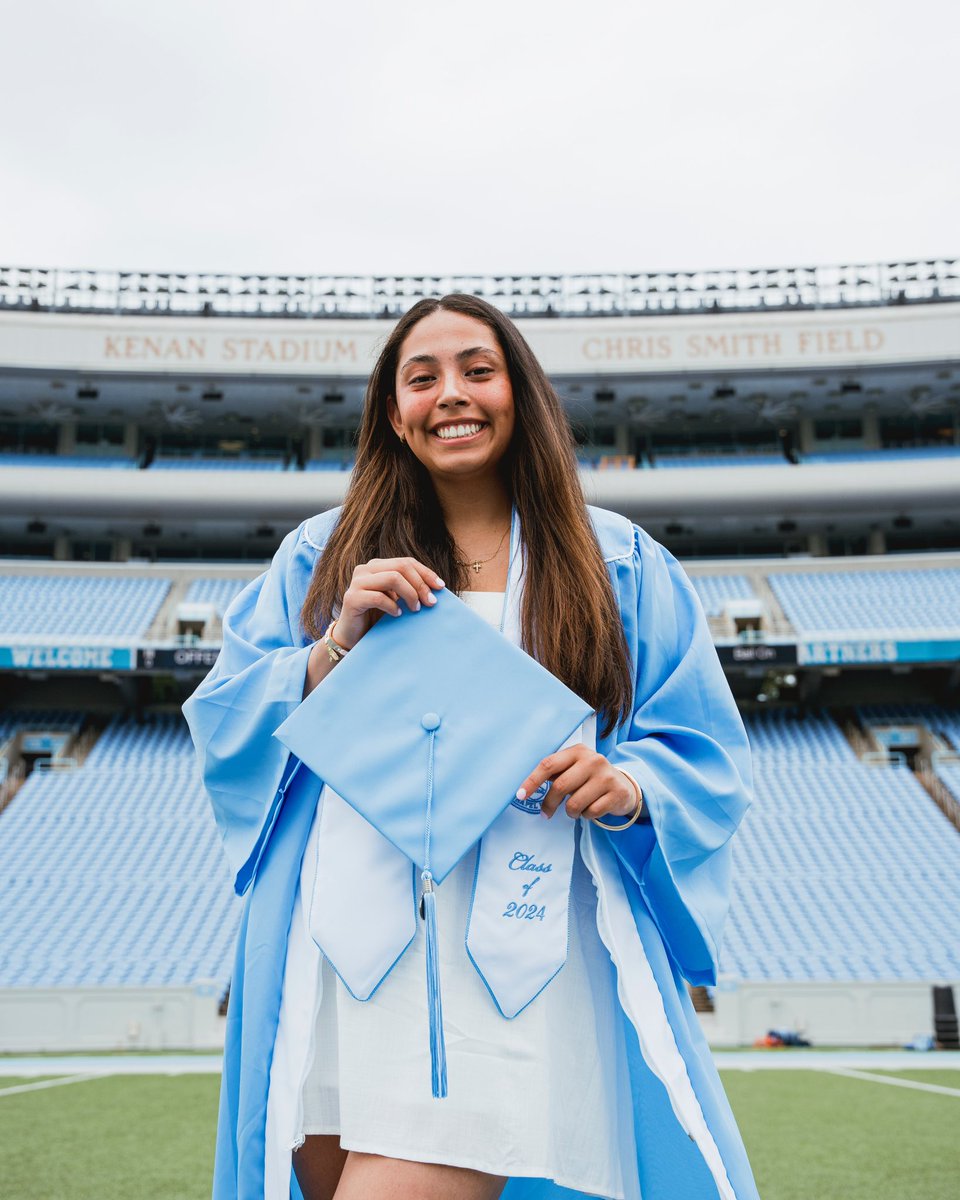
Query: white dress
[{"x": 533, "y": 1096}]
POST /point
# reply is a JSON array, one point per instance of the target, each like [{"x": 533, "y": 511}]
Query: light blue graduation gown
[{"x": 667, "y": 881}]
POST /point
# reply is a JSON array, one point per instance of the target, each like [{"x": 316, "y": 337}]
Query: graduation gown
[{"x": 663, "y": 886}]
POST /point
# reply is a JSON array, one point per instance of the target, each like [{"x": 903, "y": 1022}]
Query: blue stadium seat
[
  {"x": 113, "y": 873},
  {"x": 329, "y": 464},
  {"x": 218, "y": 592},
  {"x": 713, "y": 590},
  {"x": 787, "y": 734},
  {"x": 841, "y": 870},
  {"x": 942, "y": 721},
  {"x": 211, "y": 463},
  {"x": 97, "y": 608},
  {"x": 876, "y": 602},
  {"x": 111, "y": 461},
  {"x": 893, "y": 454},
  {"x": 773, "y": 459}
]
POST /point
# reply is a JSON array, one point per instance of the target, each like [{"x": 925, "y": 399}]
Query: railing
[
  {"x": 643, "y": 293},
  {"x": 946, "y": 801},
  {"x": 65, "y": 763},
  {"x": 884, "y": 758},
  {"x": 13, "y": 774}
]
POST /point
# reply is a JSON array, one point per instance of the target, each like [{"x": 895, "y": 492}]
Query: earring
[{"x": 403, "y": 440}]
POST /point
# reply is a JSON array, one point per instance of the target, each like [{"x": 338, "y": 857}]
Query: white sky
[{"x": 407, "y": 136}]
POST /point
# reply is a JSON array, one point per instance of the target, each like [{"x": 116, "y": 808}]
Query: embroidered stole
[{"x": 516, "y": 934}]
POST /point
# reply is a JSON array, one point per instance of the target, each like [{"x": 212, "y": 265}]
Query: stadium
[{"x": 791, "y": 434}]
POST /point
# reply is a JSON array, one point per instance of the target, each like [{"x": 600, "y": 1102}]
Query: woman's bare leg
[
  {"x": 318, "y": 1164},
  {"x": 372, "y": 1177}
]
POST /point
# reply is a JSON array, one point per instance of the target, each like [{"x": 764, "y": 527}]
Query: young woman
[{"x": 602, "y": 1085}]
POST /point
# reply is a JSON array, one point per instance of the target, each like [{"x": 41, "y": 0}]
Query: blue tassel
[{"x": 438, "y": 1049}]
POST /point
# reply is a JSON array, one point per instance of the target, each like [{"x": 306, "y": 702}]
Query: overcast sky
[{"x": 507, "y": 135}]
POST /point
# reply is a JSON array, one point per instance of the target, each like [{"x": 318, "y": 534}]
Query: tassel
[{"x": 438, "y": 1049}]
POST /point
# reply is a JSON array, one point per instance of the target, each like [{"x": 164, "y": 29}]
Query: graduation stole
[{"x": 516, "y": 935}]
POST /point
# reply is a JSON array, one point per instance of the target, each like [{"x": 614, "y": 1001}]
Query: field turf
[{"x": 810, "y": 1135}]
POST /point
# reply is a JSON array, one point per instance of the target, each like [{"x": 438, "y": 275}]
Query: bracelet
[
  {"x": 334, "y": 649},
  {"x": 638, "y": 811}
]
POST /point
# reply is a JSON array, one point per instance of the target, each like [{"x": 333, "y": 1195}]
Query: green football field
[{"x": 811, "y": 1135}]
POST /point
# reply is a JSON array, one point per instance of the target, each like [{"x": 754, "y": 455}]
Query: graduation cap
[{"x": 427, "y": 728}]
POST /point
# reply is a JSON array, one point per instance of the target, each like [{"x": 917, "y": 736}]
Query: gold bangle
[
  {"x": 334, "y": 650},
  {"x": 637, "y": 811}
]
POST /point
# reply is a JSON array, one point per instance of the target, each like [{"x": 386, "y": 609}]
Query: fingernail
[
  {"x": 416, "y": 607},
  {"x": 521, "y": 794},
  {"x": 431, "y": 598},
  {"x": 440, "y": 583}
]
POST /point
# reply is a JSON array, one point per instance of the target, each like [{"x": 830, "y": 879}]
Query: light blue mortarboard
[{"x": 427, "y": 728}]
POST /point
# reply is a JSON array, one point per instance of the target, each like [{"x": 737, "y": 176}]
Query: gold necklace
[{"x": 478, "y": 562}]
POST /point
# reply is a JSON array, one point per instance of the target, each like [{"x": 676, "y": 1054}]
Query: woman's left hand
[{"x": 592, "y": 787}]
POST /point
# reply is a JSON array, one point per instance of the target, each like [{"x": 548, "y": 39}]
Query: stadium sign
[
  {"x": 608, "y": 345},
  {"x": 67, "y": 657},
  {"x": 181, "y": 658},
  {"x": 882, "y": 651},
  {"x": 757, "y": 654}
]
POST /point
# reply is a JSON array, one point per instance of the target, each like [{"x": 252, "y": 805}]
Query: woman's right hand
[{"x": 375, "y": 589}]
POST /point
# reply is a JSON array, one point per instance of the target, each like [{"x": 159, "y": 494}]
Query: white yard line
[
  {"x": 111, "y": 1064},
  {"x": 45, "y": 1083},
  {"x": 828, "y": 1060},
  {"x": 725, "y": 1060},
  {"x": 889, "y": 1079}
]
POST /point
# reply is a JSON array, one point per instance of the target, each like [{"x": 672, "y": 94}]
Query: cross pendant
[{"x": 476, "y": 566}]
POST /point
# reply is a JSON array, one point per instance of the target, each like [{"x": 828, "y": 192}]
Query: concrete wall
[
  {"x": 61, "y": 1019},
  {"x": 828, "y": 1014}
]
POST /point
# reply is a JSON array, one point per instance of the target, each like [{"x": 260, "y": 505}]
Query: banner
[
  {"x": 880, "y": 651},
  {"x": 65, "y": 656}
]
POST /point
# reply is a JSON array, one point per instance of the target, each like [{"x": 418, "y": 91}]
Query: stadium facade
[{"x": 792, "y": 434}]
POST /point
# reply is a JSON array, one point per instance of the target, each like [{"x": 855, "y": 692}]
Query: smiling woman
[
  {"x": 611, "y": 863},
  {"x": 469, "y": 387},
  {"x": 417, "y": 493}
]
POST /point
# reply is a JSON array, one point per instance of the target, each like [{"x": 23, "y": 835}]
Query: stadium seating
[
  {"x": 97, "y": 608},
  {"x": 944, "y": 722},
  {"x": 66, "y": 460},
  {"x": 588, "y": 462},
  {"x": 775, "y": 459},
  {"x": 13, "y": 721},
  {"x": 823, "y": 889},
  {"x": 218, "y": 592},
  {"x": 786, "y": 735},
  {"x": 870, "y": 601},
  {"x": 113, "y": 874},
  {"x": 328, "y": 464},
  {"x": 892, "y": 454},
  {"x": 210, "y": 463},
  {"x": 713, "y": 590}
]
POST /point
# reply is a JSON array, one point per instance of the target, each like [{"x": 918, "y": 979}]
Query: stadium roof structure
[
  {"x": 636, "y": 293},
  {"x": 819, "y": 407}
]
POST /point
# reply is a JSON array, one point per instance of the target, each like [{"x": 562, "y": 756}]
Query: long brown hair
[{"x": 569, "y": 617}]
